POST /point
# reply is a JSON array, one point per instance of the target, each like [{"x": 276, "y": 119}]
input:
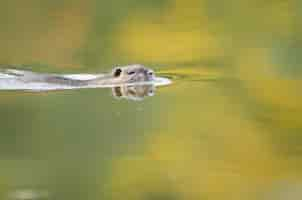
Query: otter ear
[{"x": 117, "y": 72}]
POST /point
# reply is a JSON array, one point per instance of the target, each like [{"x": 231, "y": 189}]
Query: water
[{"x": 228, "y": 127}]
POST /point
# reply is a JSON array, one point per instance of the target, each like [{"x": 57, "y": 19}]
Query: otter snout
[{"x": 144, "y": 74}]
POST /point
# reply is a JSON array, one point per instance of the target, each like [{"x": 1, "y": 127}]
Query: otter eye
[
  {"x": 117, "y": 72},
  {"x": 150, "y": 73},
  {"x": 131, "y": 72}
]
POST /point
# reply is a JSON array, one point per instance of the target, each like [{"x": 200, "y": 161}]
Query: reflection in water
[{"x": 133, "y": 92}]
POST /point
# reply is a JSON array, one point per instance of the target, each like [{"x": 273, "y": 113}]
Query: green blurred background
[{"x": 229, "y": 127}]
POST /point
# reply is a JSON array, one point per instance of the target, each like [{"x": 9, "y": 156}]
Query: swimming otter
[
  {"x": 119, "y": 75},
  {"x": 132, "y": 82}
]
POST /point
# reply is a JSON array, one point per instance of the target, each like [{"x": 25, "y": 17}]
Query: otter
[
  {"x": 119, "y": 75},
  {"x": 131, "y": 82}
]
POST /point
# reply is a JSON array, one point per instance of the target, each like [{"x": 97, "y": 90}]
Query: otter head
[{"x": 132, "y": 74}]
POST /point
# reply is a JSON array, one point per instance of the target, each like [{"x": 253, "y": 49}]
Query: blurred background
[{"x": 229, "y": 127}]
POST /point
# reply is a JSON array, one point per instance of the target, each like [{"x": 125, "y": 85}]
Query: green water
[{"x": 229, "y": 127}]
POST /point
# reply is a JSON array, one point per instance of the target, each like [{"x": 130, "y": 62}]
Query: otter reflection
[{"x": 133, "y": 92}]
